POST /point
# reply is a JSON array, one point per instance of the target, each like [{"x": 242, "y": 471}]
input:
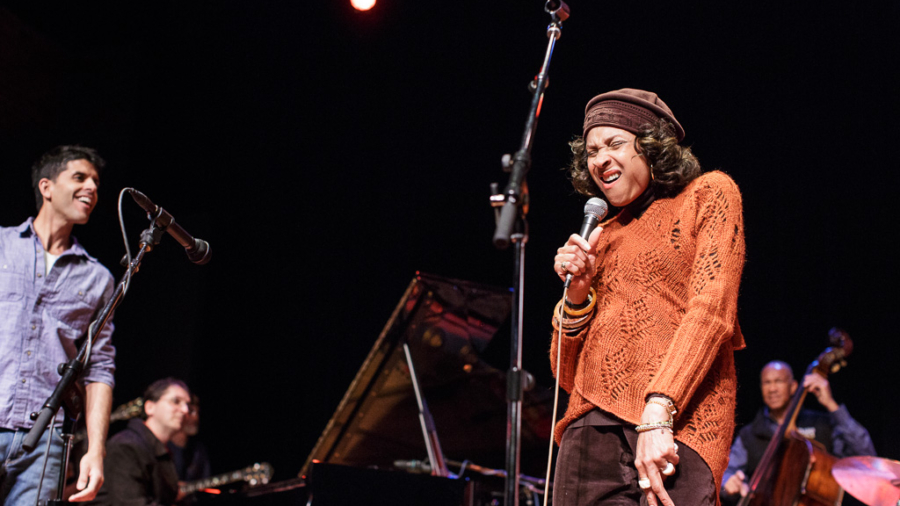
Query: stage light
[{"x": 362, "y": 5}]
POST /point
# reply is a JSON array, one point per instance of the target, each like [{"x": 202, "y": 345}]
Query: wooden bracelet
[
  {"x": 575, "y": 322},
  {"x": 571, "y": 329},
  {"x": 577, "y": 306},
  {"x": 570, "y": 321},
  {"x": 592, "y": 302},
  {"x": 578, "y": 319}
]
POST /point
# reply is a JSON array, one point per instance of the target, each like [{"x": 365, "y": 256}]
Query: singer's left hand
[
  {"x": 579, "y": 258},
  {"x": 655, "y": 450}
]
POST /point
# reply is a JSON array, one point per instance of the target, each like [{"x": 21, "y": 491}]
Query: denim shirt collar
[{"x": 26, "y": 229}]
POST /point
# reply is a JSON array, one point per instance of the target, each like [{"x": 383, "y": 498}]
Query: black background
[{"x": 328, "y": 154}]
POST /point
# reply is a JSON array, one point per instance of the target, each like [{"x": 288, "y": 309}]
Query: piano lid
[{"x": 448, "y": 324}]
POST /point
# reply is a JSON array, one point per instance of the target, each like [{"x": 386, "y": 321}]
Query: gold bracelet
[
  {"x": 592, "y": 302},
  {"x": 653, "y": 426}
]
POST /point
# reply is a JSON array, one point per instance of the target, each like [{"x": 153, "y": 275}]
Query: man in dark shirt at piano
[
  {"x": 837, "y": 430},
  {"x": 139, "y": 467},
  {"x": 190, "y": 455}
]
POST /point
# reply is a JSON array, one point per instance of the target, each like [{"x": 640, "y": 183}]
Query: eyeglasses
[{"x": 177, "y": 401}]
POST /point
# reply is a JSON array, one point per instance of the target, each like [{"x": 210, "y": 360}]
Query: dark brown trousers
[{"x": 596, "y": 466}]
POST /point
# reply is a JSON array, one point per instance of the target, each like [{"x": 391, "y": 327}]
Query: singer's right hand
[{"x": 578, "y": 257}]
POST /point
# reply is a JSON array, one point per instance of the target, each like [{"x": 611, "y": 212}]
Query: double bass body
[{"x": 803, "y": 476}]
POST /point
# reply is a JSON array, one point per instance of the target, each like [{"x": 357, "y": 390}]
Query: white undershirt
[{"x": 49, "y": 260}]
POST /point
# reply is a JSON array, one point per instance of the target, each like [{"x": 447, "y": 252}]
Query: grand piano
[{"x": 423, "y": 402}]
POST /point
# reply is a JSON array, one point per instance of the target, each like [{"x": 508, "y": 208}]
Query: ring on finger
[
  {"x": 644, "y": 483},
  {"x": 563, "y": 265},
  {"x": 669, "y": 469}
]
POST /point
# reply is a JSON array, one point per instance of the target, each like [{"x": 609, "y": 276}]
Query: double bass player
[{"x": 841, "y": 435}]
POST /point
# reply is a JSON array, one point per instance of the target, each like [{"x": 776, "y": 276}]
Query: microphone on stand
[
  {"x": 197, "y": 249},
  {"x": 557, "y": 8},
  {"x": 594, "y": 212}
]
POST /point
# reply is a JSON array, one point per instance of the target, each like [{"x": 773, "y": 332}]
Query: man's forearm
[{"x": 97, "y": 405}]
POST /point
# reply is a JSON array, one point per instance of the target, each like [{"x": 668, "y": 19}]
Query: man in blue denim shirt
[
  {"x": 841, "y": 435},
  {"x": 50, "y": 291}
]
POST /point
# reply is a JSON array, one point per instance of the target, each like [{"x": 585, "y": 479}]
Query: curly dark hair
[
  {"x": 673, "y": 166},
  {"x": 55, "y": 161}
]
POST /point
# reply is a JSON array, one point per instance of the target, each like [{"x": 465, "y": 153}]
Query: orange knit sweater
[{"x": 666, "y": 318}]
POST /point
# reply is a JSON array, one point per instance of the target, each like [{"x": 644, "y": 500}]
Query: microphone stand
[
  {"x": 66, "y": 390},
  {"x": 512, "y": 226}
]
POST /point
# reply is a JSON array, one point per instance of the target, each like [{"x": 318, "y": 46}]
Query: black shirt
[
  {"x": 191, "y": 461},
  {"x": 138, "y": 470}
]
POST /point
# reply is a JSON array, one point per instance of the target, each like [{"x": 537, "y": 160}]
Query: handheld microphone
[
  {"x": 197, "y": 249},
  {"x": 594, "y": 212}
]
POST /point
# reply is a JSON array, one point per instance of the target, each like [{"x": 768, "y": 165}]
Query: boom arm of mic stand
[{"x": 513, "y": 195}]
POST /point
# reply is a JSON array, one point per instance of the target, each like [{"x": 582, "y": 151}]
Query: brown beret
[{"x": 628, "y": 109}]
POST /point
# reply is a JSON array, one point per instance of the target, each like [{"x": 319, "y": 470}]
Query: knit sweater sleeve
[
  {"x": 710, "y": 313},
  {"x": 571, "y": 348}
]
